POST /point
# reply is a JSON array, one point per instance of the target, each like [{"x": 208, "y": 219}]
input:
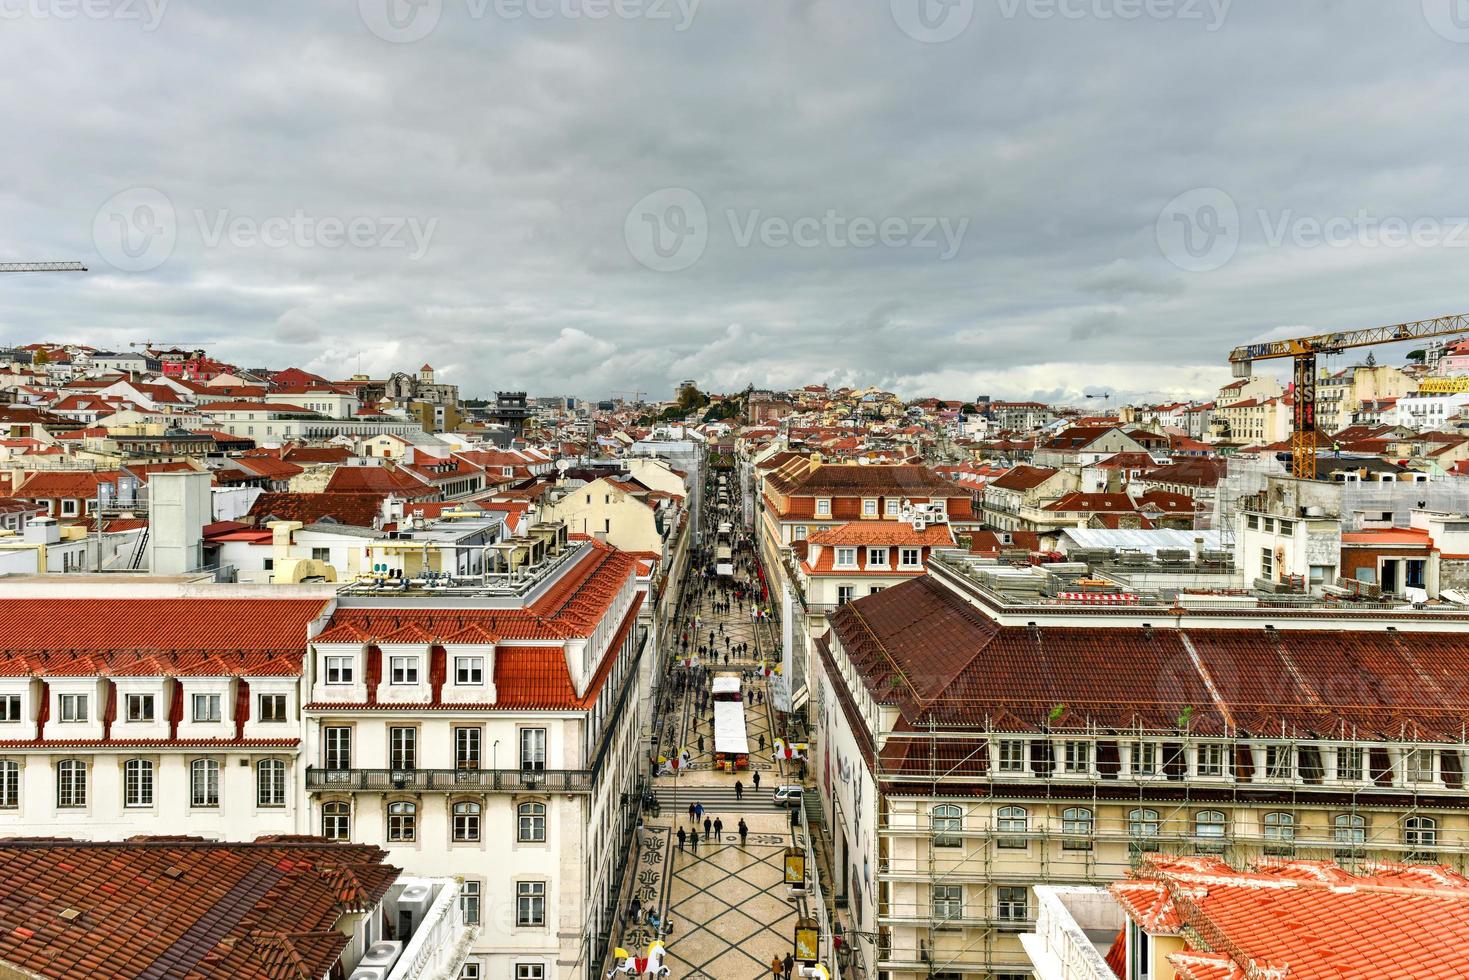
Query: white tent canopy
[
  {"x": 726, "y": 684},
  {"x": 729, "y": 728}
]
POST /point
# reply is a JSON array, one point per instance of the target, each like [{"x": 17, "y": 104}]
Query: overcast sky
[{"x": 1026, "y": 198}]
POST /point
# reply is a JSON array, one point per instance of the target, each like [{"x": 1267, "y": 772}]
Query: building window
[
  {"x": 270, "y": 783},
  {"x": 800, "y": 533},
  {"x": 910, "y": 557},
  {"x": 206, "y": 707},
  {"x": 273, "y": 708},
  {"x": 466, "y": 748},
  {"x": 845, "y": 594},
  {"x": 890, "y": 507},
  {"x": 823, "y": 507},
  {"x": 469, "y": 670},
  {"x": 323, "y": 555},
  {"x": 1144, "y": 758},
  {"x": 1014, "y": 903},
  {"x": 403, "y": 748},
  {"x": 1421, "y": 834},
  {"x": 469, "y": 902},
  {"x": 9, "y": 784},
  {"x": 1349, "y": 763},
  {"x": 73, "y": 708},
  {"x": 869, "y": 508},
  {"x": 1211, "y": 759},
  {"x": 530, "y": 971},
  {"x": 1142, "y": 827},
  {"x": 339, "y": 670},
  {"x": 846, "y": 558},
  {"x": 1280, "y": 832},
  {"x": 403, "y": 670},
  {"x": 137, "y": 783},
  {"x": 531, "y": 823},
  {"x": 1012, "y": 755},
  {"x": 1012, "y": 820},
  {"x": 1418, "y": 765},
  {"x": 466, "y": 822},
  {"x": 947, "y": 820},
  {"x": 71, "y": 783},
  {"x": 948, "y": 902},
  {"x": 140, "y": 707},
  {"x": 336, "y": 821},
  {"x": 1267, "y": 563},
  {"x": 1209, "y": 830},
  {"x": 1279, "y": 763},
  {"x": 1076, "y": 756},
  {"x": 10, "y": 708},
  {"x": 204, "y": 783},
  {"x": 1076, "y": 824},
  {"x": 337, "y": 748},
  {"x": 533, "y": 748},
  {"x": 877, "y": 556},
  {"x": 402, "y": 822},
  {"x": 530, "y": 903}
]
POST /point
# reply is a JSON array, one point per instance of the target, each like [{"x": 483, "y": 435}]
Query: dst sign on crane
[{"x": 1304, "y": 351}]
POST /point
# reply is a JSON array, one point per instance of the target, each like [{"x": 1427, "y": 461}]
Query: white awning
[{"x": 729, "y": 728}]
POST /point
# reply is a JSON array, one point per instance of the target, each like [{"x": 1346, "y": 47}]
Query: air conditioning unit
[
  {"x": 378, "y": 960},
  {"x": 416, "y": 899},
  {"x": 369, "y": 973}
]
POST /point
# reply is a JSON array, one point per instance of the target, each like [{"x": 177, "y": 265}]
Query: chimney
[
  {"x": 179, "y": 505},
  {"x": 42, "y": 530}
]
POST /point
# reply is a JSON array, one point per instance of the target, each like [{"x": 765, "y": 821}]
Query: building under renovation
[{"x": 985, "y": 733}]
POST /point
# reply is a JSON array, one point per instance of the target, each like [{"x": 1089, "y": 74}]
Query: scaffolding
[{"x": 1089, "y": 816}]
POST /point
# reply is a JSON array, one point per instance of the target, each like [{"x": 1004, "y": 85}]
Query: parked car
[{"x": 789, "y": 796}]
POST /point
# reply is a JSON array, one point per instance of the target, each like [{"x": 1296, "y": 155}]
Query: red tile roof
[
  {"x": 884, "y": 532},
  {"x": 378, "y": 479},
  {"x": 182, "y": 907},
  {"x": 1023, "y": 478},
  {"x": 356, "y": 509}
]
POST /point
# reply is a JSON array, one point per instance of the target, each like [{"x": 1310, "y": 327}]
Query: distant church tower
[{"x": 426, "y": 375}]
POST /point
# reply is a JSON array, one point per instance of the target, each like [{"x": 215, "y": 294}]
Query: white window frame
[
  {"x": 823, "y": 506},
  {"x": 138, "y": 780},
  {"x": 135, "y": 703},
  {"x": 71, "y": 784},
  {"x": 469, "y": 671},
  {"x": 905, "y": 561},
  {"x": 530, "y": 904},
  {"x": 270, "y": 784},
  {"x": 74, "y": 709},
  {"x": 1012, "y": 755},
  {"x": 204, "y": 784},
  {"x": 213, "y": 705},
  {"x": 403, "y": 670},
  {"x": 846, "y": 557},
  {"x": 273, "y": 699},
  {"x": 340, "y": 669}
]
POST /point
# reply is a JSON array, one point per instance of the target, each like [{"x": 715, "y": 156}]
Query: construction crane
[
  {"x": 42, "y": 267},
  {"x": 1304, "y": 351},
  {"x": 637, "y": 396}
]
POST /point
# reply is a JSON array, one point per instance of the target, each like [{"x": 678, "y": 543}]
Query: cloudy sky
[{"x": 1015, "y": 197}]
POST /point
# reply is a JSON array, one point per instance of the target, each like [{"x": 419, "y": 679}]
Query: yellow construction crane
[{"x": 1304, "y": 351}]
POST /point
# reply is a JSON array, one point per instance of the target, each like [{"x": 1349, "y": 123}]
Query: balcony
[{"x": 449, "y": 780}]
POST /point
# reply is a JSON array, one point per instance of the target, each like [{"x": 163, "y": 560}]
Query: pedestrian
[
  {"x": 718, "y": 829},
  {"x": 694, "y": 841},
  {"x": 777, "y": 967},
  {"x": 692, "y": 808},
  {"x": 739, "y": 790},
  {"x": 790, "y": 962},
  {"x": 698, "y": 810},
  {"x": 755, "y": 778},
  {"x": 795, "y": 817},
  {"x": 762, "y": 741},
  {"x": 744, "y": 831},
  {"x": 681, "y": 838},
  {"x": 706, "y": 826},
  {"x": 701, "y": 743}
]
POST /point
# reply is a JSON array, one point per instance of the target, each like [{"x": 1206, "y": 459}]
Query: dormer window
[
  {"x": 403, "y": 670},
  {"x": 877, "y": 556},
  {"x": 869, "y": 508},
  {"x": 823, "y": 507},
  {"x": 140, "y": 707},
  {"x": 73, "y": 708},
  {"x": 469, "y": 670},
  {"x": 206, "y": 707},
  {"x": 340, "y": 670},
  {"x": 846, "y": 558},
  {"x": 910, "y": 557}
]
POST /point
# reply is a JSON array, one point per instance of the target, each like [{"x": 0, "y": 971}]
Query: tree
[
  {"x": 40, "y": 357},
  {"x": 691, "y": 398}
]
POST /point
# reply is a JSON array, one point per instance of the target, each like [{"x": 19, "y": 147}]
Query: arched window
[
  {"x": 1209, "y": 831},
  {"x": 402, "y": 822},
  {"x": 336, "y": 821},
  {"x": 531, "y": 823},
  {"x": 1142, "y": 823},
  {"x": 1349, "y": 828},
  {"x": 270, "y": 783},
  {"x": 137, "y": 783},
  {"x": 466, "y": 822},
  {"x": 1280, "y": 832},
  {"x": 1012, "y": 820},
  {"x": 946, "y": 820},
  {"x": 1076, "y": 824},
  {"x": 1420, "y": 833},
  {"x": 71, "y": 783},
  {"x": 204, "y": 783},
  {"x": 9, "y": 784}
]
